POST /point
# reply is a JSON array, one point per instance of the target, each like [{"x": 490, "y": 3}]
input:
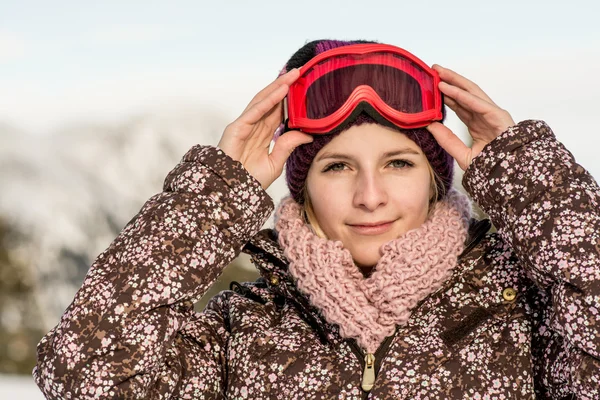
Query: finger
[
  {"x": 449, "y": 101},
  {"x": 454, "y": 78},
  {"x": 285, "y": 79},
  {"x": 467, "y": 100},
  {"x": 451, "y": 143},
  {"x": 460, "y": 112},
  {"x": 285, "y": 145},
  {"x": 268, "y": 105}
]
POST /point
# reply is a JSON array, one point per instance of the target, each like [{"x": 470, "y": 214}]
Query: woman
[{"x": 376, "y": 282}]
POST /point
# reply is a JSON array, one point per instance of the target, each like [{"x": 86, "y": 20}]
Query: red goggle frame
[{"x": 370, "y": 72}]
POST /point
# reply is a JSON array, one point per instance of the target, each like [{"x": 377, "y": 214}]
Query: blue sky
[{"x": 65, "y": 61}]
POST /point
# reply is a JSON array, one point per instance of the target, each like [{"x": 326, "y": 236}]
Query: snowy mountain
[
  {"x": 73, "y": 191},
  {"x": 64, "y": 197}
]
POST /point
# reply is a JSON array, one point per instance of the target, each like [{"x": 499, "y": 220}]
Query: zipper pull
[{"x": 368, "y": 379}]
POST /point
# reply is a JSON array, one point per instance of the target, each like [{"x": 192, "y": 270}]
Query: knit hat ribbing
[{"x": 299, "y": 162}]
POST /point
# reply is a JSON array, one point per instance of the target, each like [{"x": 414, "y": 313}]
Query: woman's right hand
[{"x": 247, "y": 139}]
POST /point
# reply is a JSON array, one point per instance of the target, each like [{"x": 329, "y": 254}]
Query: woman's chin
[{"x": 367, "y": 259}]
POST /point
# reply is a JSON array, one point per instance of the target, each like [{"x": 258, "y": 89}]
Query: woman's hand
[
  {"x": 484, "y": 119},
  {"x": 247, "y": 139}
]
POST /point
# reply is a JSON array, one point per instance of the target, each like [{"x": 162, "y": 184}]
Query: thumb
[
  {"x": 451, "y": 143},
  {"x": 284, "y": 146}
]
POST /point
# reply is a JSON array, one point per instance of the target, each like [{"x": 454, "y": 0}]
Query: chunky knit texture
[{"x": 410, "y": 268}]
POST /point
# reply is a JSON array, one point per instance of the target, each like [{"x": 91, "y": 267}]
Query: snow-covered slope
[{"x": 70, "y": 193}]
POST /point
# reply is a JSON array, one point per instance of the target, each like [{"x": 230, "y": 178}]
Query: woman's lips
[{"x": 372, "y": 228}]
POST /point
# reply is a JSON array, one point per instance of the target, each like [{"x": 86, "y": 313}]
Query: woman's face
[{"x": 368, "y": 186}]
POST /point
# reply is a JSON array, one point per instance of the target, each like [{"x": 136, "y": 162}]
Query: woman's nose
[{"x": 370, "y": 192}]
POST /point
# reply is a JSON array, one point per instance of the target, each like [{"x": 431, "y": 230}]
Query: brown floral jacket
[{"x": 518, "y": 319}]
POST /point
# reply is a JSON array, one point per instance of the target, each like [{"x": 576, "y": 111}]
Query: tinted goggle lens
[{"x": 399, "y": 83}]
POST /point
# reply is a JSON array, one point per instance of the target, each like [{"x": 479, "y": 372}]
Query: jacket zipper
[{"x": 371, "y": 363}]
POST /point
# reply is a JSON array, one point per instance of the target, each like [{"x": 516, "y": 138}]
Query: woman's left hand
[{"x": 484, "y": 119}]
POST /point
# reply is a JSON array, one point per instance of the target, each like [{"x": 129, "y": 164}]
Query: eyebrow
[{"x": 389, "y": 154}]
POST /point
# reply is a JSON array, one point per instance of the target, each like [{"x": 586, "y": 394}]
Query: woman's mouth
[{"x": 371, "y": 229}]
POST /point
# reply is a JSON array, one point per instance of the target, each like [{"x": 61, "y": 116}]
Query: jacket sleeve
[
  {"x": 131, "y": 331},
  {"x": 548, "y": 208}
]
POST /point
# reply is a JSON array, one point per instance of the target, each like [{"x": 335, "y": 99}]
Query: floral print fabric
[{"x": 517, "y": 319}]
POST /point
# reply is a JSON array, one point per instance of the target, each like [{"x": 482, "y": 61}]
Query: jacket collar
[{"x": 272, "y": 265}]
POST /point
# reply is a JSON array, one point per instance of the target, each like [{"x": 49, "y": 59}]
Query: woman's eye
[
  {"x": 334, "y": 167},
  {"x": 400, "y": 164}
]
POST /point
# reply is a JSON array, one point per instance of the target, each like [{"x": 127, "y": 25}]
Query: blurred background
[{"x": 99, "y": 100}]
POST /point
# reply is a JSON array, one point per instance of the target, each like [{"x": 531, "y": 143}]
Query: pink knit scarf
[{"x": 410, "y": 268}]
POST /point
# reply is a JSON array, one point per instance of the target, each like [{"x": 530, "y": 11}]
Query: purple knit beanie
[{"x": 298, "y": 164}]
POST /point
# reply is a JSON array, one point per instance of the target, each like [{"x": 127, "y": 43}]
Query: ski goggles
[{"x": 396, "y": 84}]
